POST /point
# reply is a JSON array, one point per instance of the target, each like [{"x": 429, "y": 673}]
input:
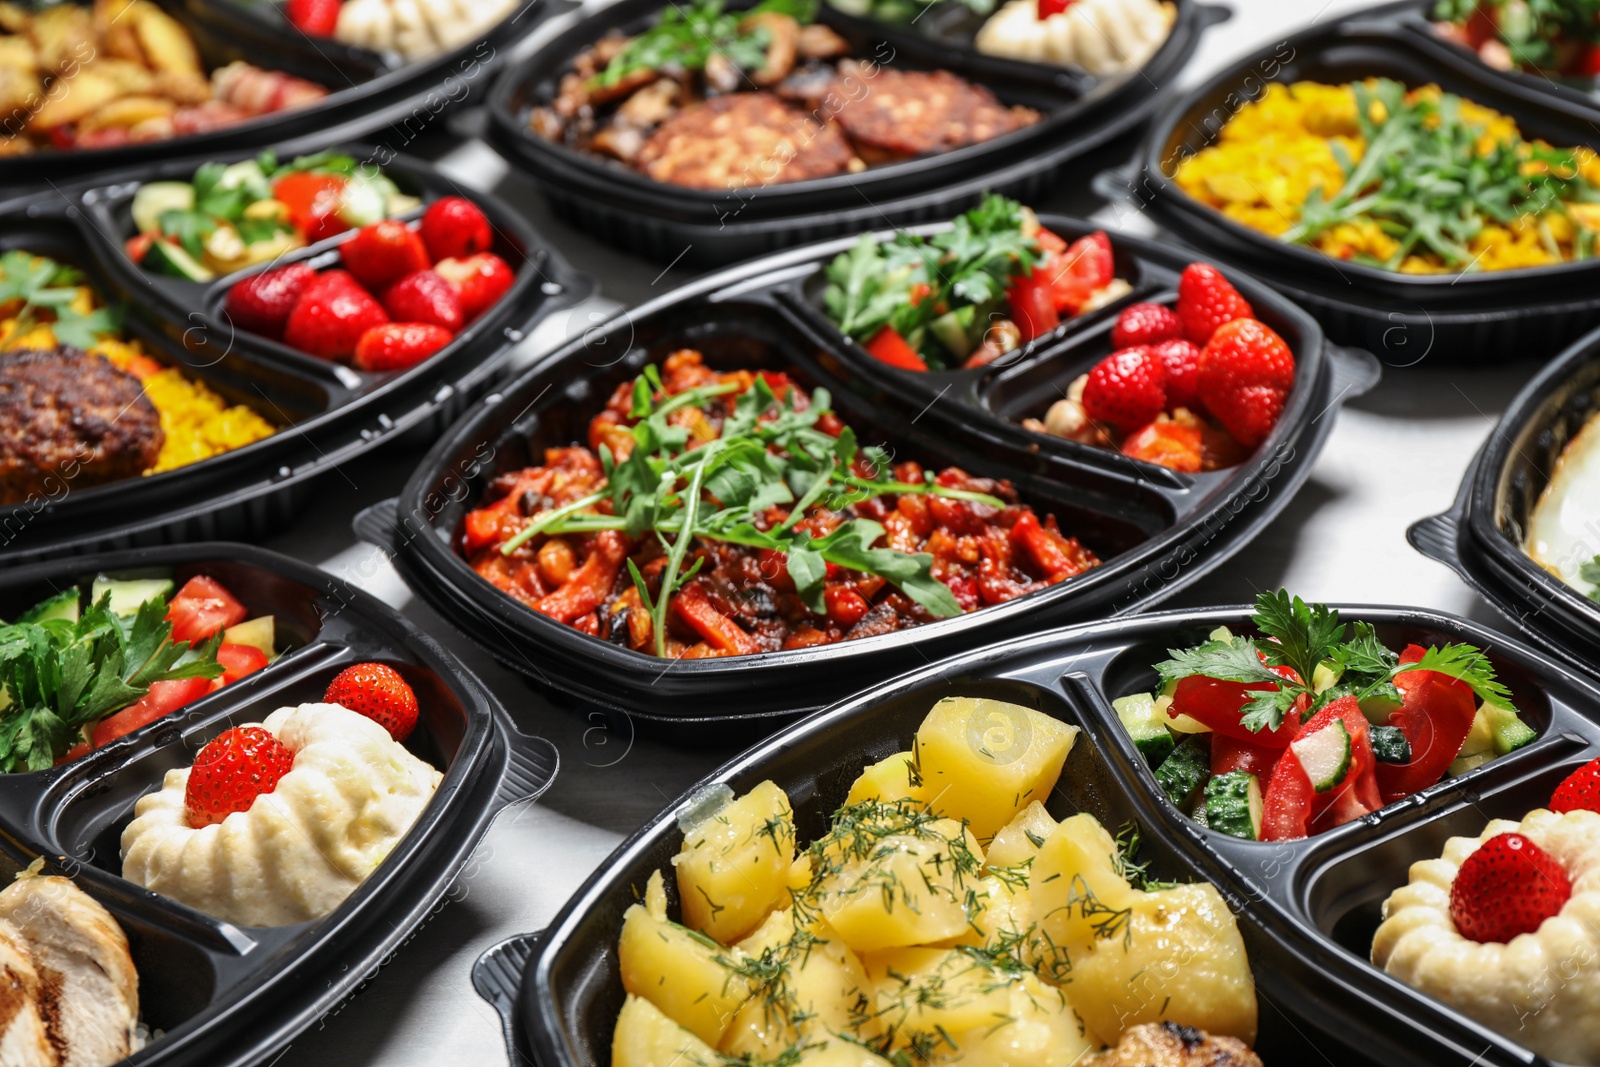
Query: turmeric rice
[{"x": 1290, "y": 165}]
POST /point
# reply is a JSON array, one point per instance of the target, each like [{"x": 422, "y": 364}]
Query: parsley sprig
[
  {"x": 769, "y": 454},
  {"x": 1423, "y": 179},
  {"x": 60, "y": 676},
  {"x": 1537, "y": 33},
  {"x": 686, "y": 35},
  {"x": 1303, "y": 637},
  {"x": 47, "y": 290}
]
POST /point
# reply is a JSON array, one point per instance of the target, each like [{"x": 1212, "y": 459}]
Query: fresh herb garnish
[
  {"x": 1590, "y": 572},
  {"x": 46, "y": 287},
  {"x": 686, "y": 36},
  {"x": 60, "y": 676},
  {"x": 1426, "y": 179},
  {"x": 1535, "y": 32},
  {"x": 770, "y": 453}
]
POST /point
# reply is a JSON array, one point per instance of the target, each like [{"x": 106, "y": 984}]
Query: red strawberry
[
  {"x": 317, "y": 18},
  {"x": 1182, "y": 361},
  {"x": 381, "y": 254},
  {"x": 1145, "y": 324},
  {"x": 1509, "y": 886},
  {"x": 231, "y": 771},
  {"x": 424, "y": 297},
  {"x": 1126, "y": 389},
  {"x": 399, "y": 345},
  {"x": 481, "y": 280},
  {"x": 454, "y": 228},
  {"x": 1246, "y": 372},
  {"x": 1580, "y": 791},
  {"x": 377, "y": 691},
  {"x": 262, "y": 303},
  {"x": 1206, "y": 300},
  {"x": 331, "y": 316}
]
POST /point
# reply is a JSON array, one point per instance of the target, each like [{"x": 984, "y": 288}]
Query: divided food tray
[
  {"x": 1304, "y": 906},
  {"x": 369, "y": 91},
  {"x": 1156, "y": 529},
  {"x": 1481, "y": 537},
  {"x": 1460, "y": 318},
  {"x": 670, "y": 223},
  {"x": 327, "y": 413},
  {"x": 224, "y": 994}
]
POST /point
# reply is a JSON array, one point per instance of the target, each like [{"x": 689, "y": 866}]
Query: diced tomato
[
  {"x": 919, "y": 292},
  {"x": 1216, "y": 704},
  {"x": 313, "y": 202},
  {"x": 1057, "y": 556},
  {"x": 1232, "y": 754},
  {"x": 239, "y": 660},
  {"x": 887, "y": 346},
  {"x": 1286, "y": 807},
  {"x": 845, "y": 606},
  {"x": 1174, "y": 445},
  {"x": 77, "y": 751},
  {"x": 1085, "y": 267},
  {"x": 1435, "y": 714},
  {"x": 1481, "y": 27},
  {"x": 481, "y": 528},
  {"x": 201, "y": 608},
  {"x": 1589, "y": 67},
  {"x": 138, "y": 245},
  {"x": 720, "y": 632},
  {"x": 1049, "y": 242},
  {"x": 162, "y": 699},
  {"x": 1358, "y": 793},
  {"x": 1033, "y": 307}
]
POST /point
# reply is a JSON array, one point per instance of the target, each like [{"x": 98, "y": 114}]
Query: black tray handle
[
  {"x": 1437, "y": 538},
  {"x": 1355, "y": 371},
  {"x": 497, "y": 976},
  {"x": 1209, "y": 15},
  {"x": 531, "y": 765},
  {"x": 1116, "y": 183},
  {"x": 375, "y": 523}
]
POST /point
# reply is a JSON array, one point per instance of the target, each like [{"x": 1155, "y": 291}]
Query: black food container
[
  {"x": 669, "y": 223},
  {"x": 1156, "y": 529},
  {"x": 368, "y": 91},
  {"x": 224, "y": 994},
  {"x": 1481, "y": 537},
  {"x": 1464, "y": 318},
  {"x": 1307, "y": 909},
  {"x": 327, "y": 414}
]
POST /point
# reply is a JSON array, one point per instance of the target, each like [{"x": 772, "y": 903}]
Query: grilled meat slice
[
  {"x": 1171, "y": 1045},
  {"x": 744, "y": 140},
  {"x": 69, "y": 418}
]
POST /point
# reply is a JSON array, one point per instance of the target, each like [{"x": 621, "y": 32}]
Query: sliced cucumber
[
  {"x": 1510, "y": 732},
  {"x": 64, "y": 605},
  {"x": 362, "y": 202},
  {"x": 128, "y": 593},
  {"x": 155, "y": 199},
  {"x": 953, "y": 329},
  {"x": 1389, "y": 745},
  {"x": 259, "y": 633},
  {"x": 1325, "y": 755},
  {"x": 1480, "y": 738},
  {"x": 1378, "y": 707},
  {"x": 1146, "y": 723},
  {"x": 1233, "y": 804},
  {"x": 1462, "y": 764},
  {"x": 166, "y": 257},
  {"x": 247, "y": 175},
  {"x": 1325, "y": 677},
  {"x": 1221, "y": 633},
  {"x": 1182, "y": 774}
]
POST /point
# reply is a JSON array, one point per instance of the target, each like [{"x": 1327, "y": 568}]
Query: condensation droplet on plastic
[
  {"x": 551, "y": 288},
  {"x": 514, "y": 335}
]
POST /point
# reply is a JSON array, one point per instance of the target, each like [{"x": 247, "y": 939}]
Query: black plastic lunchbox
[
  {"x": 223, "y": 994},
  {"x": 1157, "y": 530},
  {"x": 668, "y": 223},
  {"x": 327, "y": 414},
  {"x": 1458, "y": 318},
  {"x": 1307, "y": 909}
]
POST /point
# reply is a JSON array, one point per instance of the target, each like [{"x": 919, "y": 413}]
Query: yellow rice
[{"x": 1275, "y": 151}]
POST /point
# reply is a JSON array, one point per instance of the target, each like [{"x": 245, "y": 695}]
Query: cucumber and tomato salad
[
  {"x": 87, "y": 666},
  {"x": 967, "y": 296},
  {"x": 1240, "y": 742}
]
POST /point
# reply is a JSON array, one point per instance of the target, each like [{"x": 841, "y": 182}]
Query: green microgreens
[
  {"x": 1423, "y": 180},
  {"x": 1303, "y": 637},
  {"x": 769, "y": 454},
  {"x": 43, "y": 285}
]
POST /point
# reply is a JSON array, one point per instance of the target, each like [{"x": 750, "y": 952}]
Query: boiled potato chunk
[
  {"x": 1076, "y": 891},
  {"x": 734, "y": 864},
  {"x": 692, "y": 981},
  {"x": 834, "y": 1052},
  {"x": 1182, "y": 961},
  {"x": 895, "y": 877},
  {"x": 644, "y": 1037},
  {"x": 895, "y": 778},
  {"x": 998, "y": 916},
  {"x": 985, "y": 760},
  {"x": 1039, "y": 1029},
  {"x": 1019, "y": 840},
  {"x": 922, "y": 993},
  {"x": 818, "y": 986}
]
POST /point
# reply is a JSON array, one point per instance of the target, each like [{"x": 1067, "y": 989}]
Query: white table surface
[{"x": 1394, "y": 456}]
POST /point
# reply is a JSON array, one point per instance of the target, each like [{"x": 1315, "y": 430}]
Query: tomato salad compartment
[
  {"x": 228, "y": 970},
  {"x": 923, "y": 135},
  {"x": 205, "y": 448},
  {"x": 915, "y": 530},
  {"x": 1414, "y": 272},
  {"x": 1516, "y": 531},
  {"x": 1000, "y": 762}
]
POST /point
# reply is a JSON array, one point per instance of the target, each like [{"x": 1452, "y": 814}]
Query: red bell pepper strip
[
  {"x": 720, "y": 632},
  {"x": 1286, "y": 808},
  {"x": 589, "y": 585},
  {"x": 1057, "y": 556},
  {"x": 1358, "y": 793},
  {"x": 887, "y": 346},
  {"x": 1435, "y": 714},
  {"x": 1033, "y": 304},
  {"x": 1088, "y": 265},
  {"x": 1216, "y": 704}
]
